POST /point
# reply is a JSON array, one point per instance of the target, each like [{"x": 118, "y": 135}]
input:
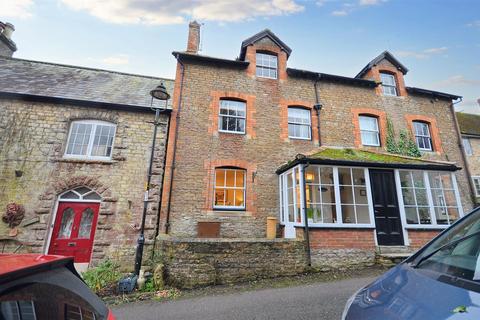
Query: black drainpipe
[
  {"x": 157, "y": 230},
  {"x": 462, "y": 151},
  {"x": 172, "y": 167},
  {"x": 318, "y": 106},
  {"x": 305, "y": 215}
]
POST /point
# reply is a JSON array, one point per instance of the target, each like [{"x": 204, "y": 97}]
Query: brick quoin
[
  {"x": 432, "y": 124},
  {"x": 284, "y": 105},
  {"x": 382, "y": 124},
  {"x": 251, "y": 198},
  {"x": 249, "y": 100}
]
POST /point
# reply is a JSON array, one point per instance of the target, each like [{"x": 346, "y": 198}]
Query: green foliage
[
  {"x": 106, "y": 274},
  {"x": 405, "y": 145},
  {"x": 149, "y": 286}
]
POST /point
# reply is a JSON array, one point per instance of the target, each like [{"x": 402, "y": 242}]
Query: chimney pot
[
  {"x": 193, "y": 37},
  {"x": 8, "y": 29}
]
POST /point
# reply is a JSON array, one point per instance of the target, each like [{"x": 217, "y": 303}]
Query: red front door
[{"x": 74, "y": 230}]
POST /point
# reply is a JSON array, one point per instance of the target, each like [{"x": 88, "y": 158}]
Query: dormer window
[
  {"x": 389, "y": 85},
  {"x": 266, "y": 65}
]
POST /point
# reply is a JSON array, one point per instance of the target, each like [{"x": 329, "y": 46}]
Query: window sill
[
  {"x": 87, "y": 161},
  {"x": 228, "y": 213},
  {"x": 334, "y": 226},
  {"x": 299, "y": 139},
  {"x": 231, "y": 132},
  {"x": 427, "y": 227}
]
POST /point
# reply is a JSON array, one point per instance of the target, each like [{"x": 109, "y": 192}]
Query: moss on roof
[
  {"x": 469, "y": 123},
  {"x": 363, "y": 156}
]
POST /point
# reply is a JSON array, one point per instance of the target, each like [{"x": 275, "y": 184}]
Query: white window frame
[
  {"x": 338, "y": 204},
  {"x": 88, "y": 156},
  {"x": 433, "y": 216},
  {"x": 220, "y": 116},
  {"x": 422, "y": 135},
  {"x": 260, "y": 66},
  {"x": 231, "y": 208},
  {"x": 390, "y": 86},
  {"x": 377, "y": 131},
  {"x": 467, "y": 146},
  {"x": 476, "y": 184},
  {"x": 309, "y": 124}
]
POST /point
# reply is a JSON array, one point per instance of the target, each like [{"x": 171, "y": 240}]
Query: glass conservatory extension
[{"x": 358, "y": 197}]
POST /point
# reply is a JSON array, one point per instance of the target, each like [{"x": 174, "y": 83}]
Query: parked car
[
  {"x": 440, "y": 281},
  {"x": 46, "y": 287}
]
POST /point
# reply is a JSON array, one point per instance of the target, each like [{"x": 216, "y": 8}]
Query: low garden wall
[{"x": 192, "y": 263}]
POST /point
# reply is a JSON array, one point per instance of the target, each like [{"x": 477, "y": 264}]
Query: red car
[{"x": 46, "y": 287}]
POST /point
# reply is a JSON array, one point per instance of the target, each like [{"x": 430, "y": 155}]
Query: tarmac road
[{"x": 323, "y": 300}]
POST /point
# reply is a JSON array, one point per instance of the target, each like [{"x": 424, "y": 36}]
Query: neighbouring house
[
  {"x": 74, "y": 151},
  {"x": 470, "y": 129},
  {"x": 253, "y": 139}
]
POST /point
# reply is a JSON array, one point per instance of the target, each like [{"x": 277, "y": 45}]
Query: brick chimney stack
[
  {"x": 7, "y": 46},
  {"x": 193, "y": 37}
]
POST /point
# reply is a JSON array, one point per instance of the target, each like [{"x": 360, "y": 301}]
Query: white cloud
[
  {"x": 456, "y": 81},
  {"x": 370, "y": 2},
  {"x": 421, "y": 54},
  {"x": 474, "y": 24},
  {"x": 339, "y": 13},
  {"x": 118, "y": 59},
  {"x": 158, "y": 12},
  {"x": 21, "y": 9}
]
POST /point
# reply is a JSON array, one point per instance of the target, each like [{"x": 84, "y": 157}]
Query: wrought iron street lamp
[{"x": 159, "y": 93}]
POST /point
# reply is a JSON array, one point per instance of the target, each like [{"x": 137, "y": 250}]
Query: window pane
[
  {"x": 418, "y": 180},
  {"x": 313, "y": 194},
  {"x": 230, "y": 178},
  {"x": 66, "y": 224},
  {"x": 408, "y": 197},
  {"x": 326, "y": 175},
  {"x": 405, "y": 179},
  {"x": 435, "y": 181},
  {"x": 346, "y": 195},
  {"x": 219, "y": 197},
  {"x": 348, "y": 214},
  {"x": 240, "y": 178},
  {"x": 86, "y": 223},
  {"x": 311, "y": 175},
  {"x": 239, "y": 201},
  {"x": 441, "y": 214},
  {"x": 447, "y": 181},
  {"x": 411, "y": 214},
  {"x": 424, "y": 213},
  {"x": 344, "y": 176},
  {"x": 370, "y": 138},
  {"x": 328, "y": 194},
  {"x": 79, "y": 138},
  {"x": 92, "y": 196},
  {"x": 363, "y": 216},
  {"x": 298, "y": 115},
  {"x": 452, "y": 214},
  {"x": 70, "y": 195},
  {"x": 358, "y": 177},
  {"x": 219, "y": 178},
  {"x": 450, "y": 200},
  {"x": 368, "y": 123},
  {"x": 421, "y": 196},
  {"x": 103, "y": 141},
  {"x": 361, "y": 195},
  {"x": 329, "y": 213},
  {"x": 387, "y": 79}
]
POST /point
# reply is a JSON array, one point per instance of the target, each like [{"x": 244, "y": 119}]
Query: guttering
[
  {"x": 175, "y": 139},
  {"x": 330, "y": 77},
  {"x": 434, "y": 94},
  {"x": 351, "y": 163},
  {"x": 318, "y": 107},
  {"x": 77, "y": 102},
  {"x": 462, "y": 151}
]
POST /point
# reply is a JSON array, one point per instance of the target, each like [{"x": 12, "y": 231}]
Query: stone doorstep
[{"x": 393, "y": 250}]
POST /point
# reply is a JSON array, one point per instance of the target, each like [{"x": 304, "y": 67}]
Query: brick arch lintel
[{"x": 79, "y": 181}]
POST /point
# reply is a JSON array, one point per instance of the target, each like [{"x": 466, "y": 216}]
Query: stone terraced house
[
  {"x": 74, "y": 150},
  {"x": 470, "y": 129},
  {"x": 253, "y": 139}
]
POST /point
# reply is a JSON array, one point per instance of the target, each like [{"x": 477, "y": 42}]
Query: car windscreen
[
  {"x": 456, "y": 252},
  {"x": 53, "y": 294}
]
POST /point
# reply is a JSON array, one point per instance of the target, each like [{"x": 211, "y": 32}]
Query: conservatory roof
[{"x": 365, "y": 158}]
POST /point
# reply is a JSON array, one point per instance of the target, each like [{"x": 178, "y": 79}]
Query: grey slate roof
[
  {"x": 45, "y": 79},
  {"x": 384, "y": 55},
  {"x": 262, "y": 34}
]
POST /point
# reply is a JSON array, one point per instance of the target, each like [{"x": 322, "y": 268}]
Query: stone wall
[
  {"x": 201, "y": 262},
  {"x": 33, "y": 136},
  {"x": 474, "y": 159}
]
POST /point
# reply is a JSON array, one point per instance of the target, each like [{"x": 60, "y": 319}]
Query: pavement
[{"x": 323, "y": 300}]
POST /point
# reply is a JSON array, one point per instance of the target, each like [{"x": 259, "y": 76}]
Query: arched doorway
[{"x": 75, "y": 223}]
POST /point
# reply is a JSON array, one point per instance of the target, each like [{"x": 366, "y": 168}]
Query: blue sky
[{"x": 438, "y": 40}]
